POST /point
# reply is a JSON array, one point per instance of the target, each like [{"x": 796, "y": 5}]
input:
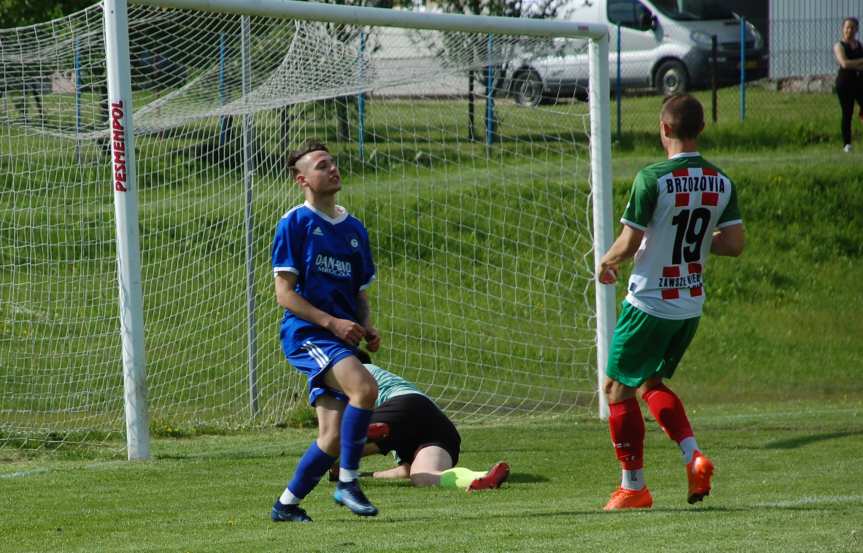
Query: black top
[{"x": 851, "y": 54}]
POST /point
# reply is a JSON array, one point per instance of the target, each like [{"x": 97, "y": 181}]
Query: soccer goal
[{"x": 145, "y": 144}]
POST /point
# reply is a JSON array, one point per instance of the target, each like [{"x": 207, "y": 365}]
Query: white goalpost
[{"x": 484, "y": 182}]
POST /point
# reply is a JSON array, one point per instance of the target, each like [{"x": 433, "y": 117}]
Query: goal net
[{"x": 464, "y": 155}]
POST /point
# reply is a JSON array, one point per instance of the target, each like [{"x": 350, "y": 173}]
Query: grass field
[
  {"x": 784, "y": 483},
  {"x": 772, "y": 381}
]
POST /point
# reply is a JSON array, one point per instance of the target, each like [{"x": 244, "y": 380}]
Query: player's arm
[
  {"x": 624, "y": 248},
  {"x": 728, "y": 241},
  {"x": 286, "y": 296},
  {"x": 397, "y": 472},
  {"x": 364, "y": 314}
]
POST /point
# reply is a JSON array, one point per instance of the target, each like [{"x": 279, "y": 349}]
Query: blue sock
[
  {"x": 313, "y": 464},
  {"x": 355, "y": 424}
]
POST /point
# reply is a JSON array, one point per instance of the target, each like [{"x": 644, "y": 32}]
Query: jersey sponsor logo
[
  {"x": 333, "y": 266},
  {"x": 672, "y": 281},
  {"x": 318, "y": 231},
  {"x": 688, "y": 281},
  {"x": 355, "y": 243},
  {"x": 118, "y": 141}
]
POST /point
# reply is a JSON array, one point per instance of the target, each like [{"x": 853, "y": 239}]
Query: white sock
[
  {"x": 632, "y": 480},
  {"x": 288, "y": 498},
  {"x": 688, "y": 446},
  {"x": 346, "y": 475}
]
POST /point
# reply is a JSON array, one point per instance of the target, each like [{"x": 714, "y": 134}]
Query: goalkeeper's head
[{"x": 682, "y": 117}]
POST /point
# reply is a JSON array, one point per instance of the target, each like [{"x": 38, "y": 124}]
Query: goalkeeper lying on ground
[{"x": 424, "y": 442}]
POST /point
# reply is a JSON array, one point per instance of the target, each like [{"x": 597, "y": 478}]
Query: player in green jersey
[{"x": 679, "y": 211}]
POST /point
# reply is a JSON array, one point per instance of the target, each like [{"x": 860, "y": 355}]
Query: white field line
[
  {"x": 816, "y": 500},
  {"x": 274, "y": 448},
  {"x": 24, "y": 473}
]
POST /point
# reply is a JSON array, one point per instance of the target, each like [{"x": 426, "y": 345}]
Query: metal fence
[{"x": 783, "y": 87}]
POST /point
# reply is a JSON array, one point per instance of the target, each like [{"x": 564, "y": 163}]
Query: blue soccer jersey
[{"x": 333, "y": 263}]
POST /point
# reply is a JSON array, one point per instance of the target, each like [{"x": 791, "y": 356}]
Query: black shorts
[{"x": 415, "y": 422}]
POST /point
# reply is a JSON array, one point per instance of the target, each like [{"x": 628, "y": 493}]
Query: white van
[{"x": 665, "y": 45}]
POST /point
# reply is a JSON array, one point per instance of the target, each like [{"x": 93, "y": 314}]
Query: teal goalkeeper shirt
[{"x": 390, "y": 385}]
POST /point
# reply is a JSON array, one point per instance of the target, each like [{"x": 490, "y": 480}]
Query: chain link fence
[{"x": 774, "y": 86}]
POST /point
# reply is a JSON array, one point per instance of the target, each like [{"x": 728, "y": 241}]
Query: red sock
[
  {"x": 627, "y": 433},
  {"x": 668, "y": 411}
]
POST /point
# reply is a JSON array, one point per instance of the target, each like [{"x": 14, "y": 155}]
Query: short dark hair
[
  {"x": 684, "y": 114},
  {"x": 853, "y": 20},
  {"x": 307, "y": 147}
]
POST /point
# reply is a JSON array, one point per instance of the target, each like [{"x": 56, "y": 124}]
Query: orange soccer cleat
[
  {"x": 629, "y": 499},
  {"x": 698, "y": 471}
]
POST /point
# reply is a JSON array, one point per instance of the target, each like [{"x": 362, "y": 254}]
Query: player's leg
[
  {"x": 636, "y": 353},
  {"x": 846, "y": 94},
  {"x": 668, "y": 410},
  {"x": 663, "y": 403},
  {"x": 314, "y": 463},
  {"x": 428, "y": 465},
  {"x": 626, "y": 427},
  {"x": 860, "y": 98},
  {"x": 435, "y": 460},
  {"x": 348, "y": 375}
]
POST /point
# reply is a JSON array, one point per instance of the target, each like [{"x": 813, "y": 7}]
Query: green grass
[
  {"x": 480, "y": 274},
  {"x": 784, "y": 483},
  {"x": 771, "y": 381}
]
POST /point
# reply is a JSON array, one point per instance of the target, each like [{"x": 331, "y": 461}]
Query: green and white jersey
[
  {"x": 390, "y": 385},
  {"x": 677, "y": 203}
]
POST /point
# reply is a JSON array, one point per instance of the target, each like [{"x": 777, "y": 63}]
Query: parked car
[{"x": 665, "y": 45}]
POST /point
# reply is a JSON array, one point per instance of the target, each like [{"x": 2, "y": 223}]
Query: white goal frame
[{"x": 125, "y": 174}]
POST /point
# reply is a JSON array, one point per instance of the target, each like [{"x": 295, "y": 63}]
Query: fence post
[
  {"x": 223, "y": 120},
  {"x": 618, "y": 88},
  {"x": 489, "y": 101},
  {"x": 77, "y": 78},
  {"x": 361, "y": 100},
  {"x": 742, "y": 68},
  {"x": 471, "y": 99},
  {"x": 713, "y": 83}
]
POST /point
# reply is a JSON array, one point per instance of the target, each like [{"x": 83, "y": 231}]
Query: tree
[{"x": 20, "y": 13}]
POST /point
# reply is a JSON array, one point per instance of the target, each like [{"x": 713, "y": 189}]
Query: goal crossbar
[{"x": 333, "y": 13}]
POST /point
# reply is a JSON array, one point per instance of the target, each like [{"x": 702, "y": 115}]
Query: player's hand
[
  {"x": 347, "y": 331},
  {"x": 607, "y": 274},
  {"x": 373, "y": 339}
]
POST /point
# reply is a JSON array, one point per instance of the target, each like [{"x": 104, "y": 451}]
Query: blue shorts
[{"x": 319, "y": 352}]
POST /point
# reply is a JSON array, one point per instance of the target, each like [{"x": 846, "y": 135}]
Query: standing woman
[{"x": 849, "y": 80}]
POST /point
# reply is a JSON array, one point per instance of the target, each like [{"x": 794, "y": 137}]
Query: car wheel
[
  {"x": 672, "y": 78},
  {"x": 527, "y": 88}
]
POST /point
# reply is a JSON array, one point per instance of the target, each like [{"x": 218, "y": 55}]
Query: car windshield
[{"x": 693, "y": 10}]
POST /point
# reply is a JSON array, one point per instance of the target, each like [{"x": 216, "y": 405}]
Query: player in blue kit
[{"x": 323, "y": 265}]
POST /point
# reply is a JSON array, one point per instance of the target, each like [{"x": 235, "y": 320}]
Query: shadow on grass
[
  {"x": 801, "y": 441},
  {"x": 526, "y": 478},
  {"x": 598, "y": 512}
]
